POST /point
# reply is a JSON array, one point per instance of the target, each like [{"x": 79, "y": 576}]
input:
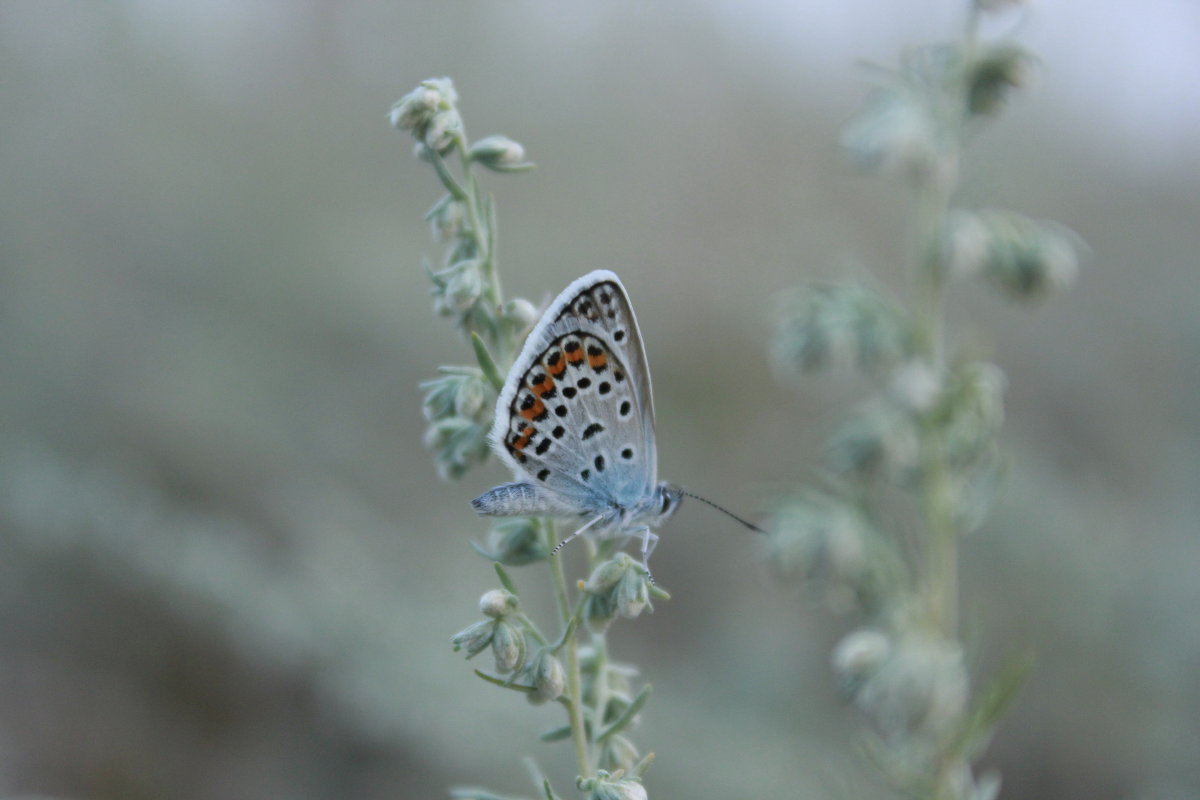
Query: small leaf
[
  {"x": 556, "y": 734},
  {"x": 486, "y": 363},
  {"x": 639, "y": 769},
  {"x": 627, "y": 715},
  {"x": 992, "y": 703},
  {"x": 505, "y": 581},
  {"x": 506, "y": 684}
]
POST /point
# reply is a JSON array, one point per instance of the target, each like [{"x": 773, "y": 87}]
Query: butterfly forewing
[
  {"x": 603, "y": 302},
  {"x": 575, "y": 415}
]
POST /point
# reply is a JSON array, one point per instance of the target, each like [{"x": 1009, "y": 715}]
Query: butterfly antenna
[{"x": 727, "y": 512}]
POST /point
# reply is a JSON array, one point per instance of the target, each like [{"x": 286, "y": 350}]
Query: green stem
[{"x": 574, "y": 674}]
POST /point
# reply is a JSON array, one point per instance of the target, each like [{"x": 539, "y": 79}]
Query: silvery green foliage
[
  {"x": 598, "y": 694},
  {"x": 930, "y": 430},
  {"x": 465, "y": 287}
]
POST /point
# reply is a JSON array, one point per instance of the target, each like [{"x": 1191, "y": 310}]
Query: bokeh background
[{"x": 227, "y": 569}]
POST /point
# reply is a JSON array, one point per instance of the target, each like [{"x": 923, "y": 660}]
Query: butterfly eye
[{"x": 666, "y": 504}]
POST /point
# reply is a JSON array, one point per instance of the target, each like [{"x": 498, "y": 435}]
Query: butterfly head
[{"x": 663, "y": 503}]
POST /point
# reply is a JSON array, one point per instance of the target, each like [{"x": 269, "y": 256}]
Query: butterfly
[{"x": 575, "y": 421}]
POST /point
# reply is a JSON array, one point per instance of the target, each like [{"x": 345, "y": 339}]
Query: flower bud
[
  {"x": 1024, "y": 257},
  {"x": 858, "y": 656},
  {"x": 469, "y": 397},
  {"x": 922, "y": 686},
  {"x": 465, "y": 286},
  {"x": 618, "y": 587},
  {"x": 605, "y": 576},
  {"x": 508, "y": 647},
  {"x": 895, "y": 133},
  {"x": 497, "y": 603},
  {"x": 880, "y": 440},
  {"x": 796, "y": 535},
  {"x": 445, "y": 127},
  {"x": 994, "y": 74},
  {"x": 965, "y": 244},
  {"x": 439, "y": 397},
  {"x": 447, "y": 219},
  {"x": 548, "y": 676},
  {"x": 474, "y": 638},
  {"x": 917, "y": 386},
  {"x": 457, "y": 444},
  {"x": 413, "y": 111},
  {"x": 498, "y": 153},
  {"x": 514, "y": 542},
  {"x": 632, "y": 593},
  {"x": 521, "y": 313}
]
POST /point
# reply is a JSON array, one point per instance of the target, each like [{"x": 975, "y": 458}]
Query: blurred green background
[{"x": 228, "y": 569}]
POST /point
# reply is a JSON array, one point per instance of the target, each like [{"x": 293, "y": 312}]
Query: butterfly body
[{"x": 575, "y": 419}]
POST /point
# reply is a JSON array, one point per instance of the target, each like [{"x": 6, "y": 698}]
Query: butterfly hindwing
[{"x": 575, "y": 414}]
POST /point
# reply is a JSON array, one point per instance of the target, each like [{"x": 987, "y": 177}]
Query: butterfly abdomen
[{"x": 526, "y": 499}]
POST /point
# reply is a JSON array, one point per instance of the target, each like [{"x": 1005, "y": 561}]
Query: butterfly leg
[
  {"x": 560, "y": 545},
  {"x": 649, "y": 542}
]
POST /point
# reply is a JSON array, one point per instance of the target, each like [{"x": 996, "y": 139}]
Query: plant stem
[{"x": 574, "y": 674}]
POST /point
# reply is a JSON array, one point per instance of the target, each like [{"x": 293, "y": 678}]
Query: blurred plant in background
[
  {"x": 597, "y": 694},
  {"x": 914, "y": 467}
]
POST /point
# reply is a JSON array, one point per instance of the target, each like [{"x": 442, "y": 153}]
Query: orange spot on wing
[
  {"x": 546, "y": 385},
  {"x": 575, "y": 356},
  {"x": 558, "y": 368},
  {"x": 534, "y": 411},
  {"x": 526, "y": 435},
  {"x": 597, "y": 361}
]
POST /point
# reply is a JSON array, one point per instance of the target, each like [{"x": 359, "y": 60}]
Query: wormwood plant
[
  {"x": 912, "y": 471},
  {"x": 596, "y": 693}
]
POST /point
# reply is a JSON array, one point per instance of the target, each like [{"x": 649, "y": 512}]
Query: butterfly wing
[{"x": 576, "y": 414}]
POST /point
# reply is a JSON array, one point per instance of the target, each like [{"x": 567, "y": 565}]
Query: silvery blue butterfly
[{"x": 575, "y": 422}]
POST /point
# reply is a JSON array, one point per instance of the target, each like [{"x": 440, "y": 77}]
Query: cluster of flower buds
[
  {"x": 618, "y": 587},
  {"x": 610, "y": 684},
  {"x": 823, "y": 325},
  {"x": 507, "y": 631},
  {"x": 911, "y": 125},
  {"x": 1025, "y": 258},
  {"x": 464, "y": 286},
  {"x": 993, "y": 74},
  {"x": 910, "y": 682},
  {"x": 913, "y": 685},
  {"x": 899, "y": 133},
  {"x": 514, "y": 542},
  {"x": 503, "y": 630},
  {"x": 547, "y": 676},
  {"x": 817, "y": 535},
  {"x": 429, "y": 112},
  {"x": 456, "y": 407}
]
